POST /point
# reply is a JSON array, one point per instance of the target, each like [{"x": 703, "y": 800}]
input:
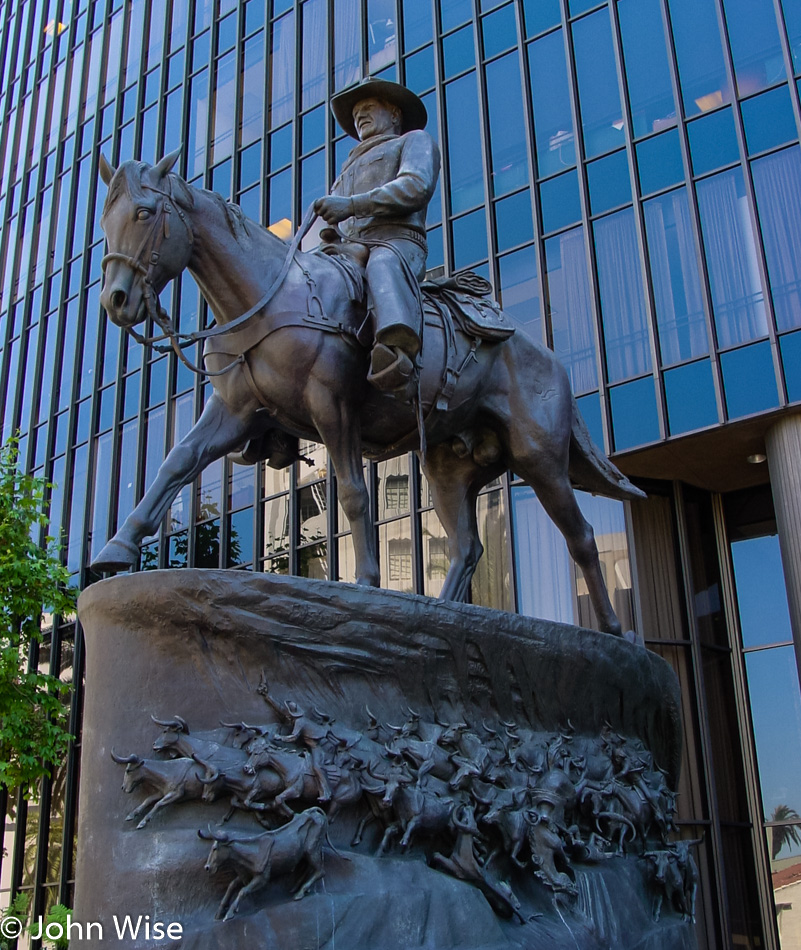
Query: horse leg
[
  {"x": 455, "y": 484},
  {"x": 554, "y": 490},
  {"x": 216, "y": 433},
  {"x": 339, "y": 431}
]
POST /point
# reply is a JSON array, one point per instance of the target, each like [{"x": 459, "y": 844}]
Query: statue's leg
[
  {"x": 555, "y": 492},
  {"x": 338, "y": 427},
  {"x": 217, "y": 432},
  {"x": 455, "y": 484}
]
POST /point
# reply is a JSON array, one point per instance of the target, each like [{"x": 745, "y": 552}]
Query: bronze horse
[{"x": 280, "y": 369}]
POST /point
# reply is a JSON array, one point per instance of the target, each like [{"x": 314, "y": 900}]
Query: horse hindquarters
[{"x": 536, "y": 431}]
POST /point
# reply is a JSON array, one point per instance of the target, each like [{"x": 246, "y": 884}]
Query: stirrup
[{"x": 391, "y": 370}]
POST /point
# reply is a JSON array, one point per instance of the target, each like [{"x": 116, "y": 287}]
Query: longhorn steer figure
[
  {"x": 258, "y": 858},
  {"x": 172, "y": 780}
]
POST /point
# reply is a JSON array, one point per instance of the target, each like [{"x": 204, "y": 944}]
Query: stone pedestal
[{"x": 196, "y": 644}]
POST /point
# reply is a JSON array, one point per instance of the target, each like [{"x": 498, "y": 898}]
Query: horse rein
[{"x": 159, "y": 315}]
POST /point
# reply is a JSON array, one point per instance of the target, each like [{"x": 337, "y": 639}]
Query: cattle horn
[
  {"x": 394, "y": 728},
  {"x": 178, "y": 724},
  {"x": 209, "y": 768},
  {"x": 412, "y": 713},
  {"x": 489, "y": 729},
  {"x": 211, "y": 836},
  {"x": 124, "y": 760}
]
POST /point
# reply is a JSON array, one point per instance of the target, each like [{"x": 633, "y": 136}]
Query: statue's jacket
[{"x": 391, "y": 179}]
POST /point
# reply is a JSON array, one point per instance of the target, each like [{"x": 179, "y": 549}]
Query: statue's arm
[{"x": 413, "y": 186}]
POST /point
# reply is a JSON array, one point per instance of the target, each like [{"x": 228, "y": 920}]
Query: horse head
[{"x": 147, "y": 246}]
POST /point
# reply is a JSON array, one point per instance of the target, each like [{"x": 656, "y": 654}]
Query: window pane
[
  {"x": 381, "y": 43},
  {"x": 749, "y": 380},
  {"x": 622, "y": 296},
  {"x": 690, "y": 394},
  {"x": 282, "y": 79},
  {"x": 599, "y": 98},
  {"x": 737, "y": 302},
  {"x": 347, "y": 42},
  {"x": 791, "y": 358},
  {"x": 520, "y": 290},
  {"x": 553, "y": 120},
  {"x": 659, "y": 162},
  {"x": 792, "y": 20},
  {"x": 761, "y": 594},
  {"x": 513, "y": 220},
  {"x": 647, "y": 72},
  {"x": 491, "y": 586},
  {"x": 540, "y": 15},
  {"x": 469, "y": 239},
  {"x": 699, "y": 53},
  {"x": 776, "y": 714},
  {"x": 458, "y": 52},
  {"x": 560, "y": 202},
  {"x": 240, "y": 538},
  {"x": 315, "y": 42},
  {"x": 713, "y": 141},
  {"x": 507, "y": 131},
  {"x": 393, "y": 487},
  {"x": 436, "y": 557},
  {"x": 590, "y": 408},
  {"x": 609, "y": 182},
  {"x": 569, "y": 307},
  {"x": 499, "y": 31},
  {"x": 465, "y": 161},
  {"x": 417, "y": 27},
  {"x": 453, "y": 13},
  {"x": 755, "y": 47},
  {"x": 276, "y": 526},
  {"x": 312, "y": 127},
  {"x": 634, "y": 418},
  {"x": 395, "y": 555},
  {"x": 675, "y": 278},
  {"x": 222, "y": 138},
  {"x": 252, "y": 91},
  {"x": 769, "y": 120},
  {"x": 420, "y": 70},
  {"x": 777, "y": 183}
]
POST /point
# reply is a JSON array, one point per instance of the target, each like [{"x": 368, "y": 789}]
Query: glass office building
[{"x": 626, "y": 173}]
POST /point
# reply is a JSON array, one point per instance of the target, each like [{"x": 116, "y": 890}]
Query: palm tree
[{"x": 784, "y": 833}]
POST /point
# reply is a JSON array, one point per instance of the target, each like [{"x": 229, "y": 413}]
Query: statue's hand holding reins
[{"x": 333, "y": 208}]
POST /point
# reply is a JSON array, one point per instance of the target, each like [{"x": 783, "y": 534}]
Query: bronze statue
[
  {"x": 381, "y": 197},
  {"x": 285, "y": 356}
]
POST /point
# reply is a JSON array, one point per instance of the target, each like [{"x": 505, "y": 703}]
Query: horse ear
[
  {"x": 107, "y": 172},
  {"x": 164, "y": 167}
]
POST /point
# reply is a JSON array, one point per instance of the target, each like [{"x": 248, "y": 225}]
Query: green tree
[
  {"x": 33, "y": 582},
  {"x": 784, "y": 834}
]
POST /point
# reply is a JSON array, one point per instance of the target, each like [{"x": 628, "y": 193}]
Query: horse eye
[{"x": 142, "y": 214}]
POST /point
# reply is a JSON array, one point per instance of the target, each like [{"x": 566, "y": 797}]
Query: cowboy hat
[{"x": 411, "y": 106}]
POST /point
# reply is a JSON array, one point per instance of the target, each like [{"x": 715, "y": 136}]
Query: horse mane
[{"x": 131, "y": 179}]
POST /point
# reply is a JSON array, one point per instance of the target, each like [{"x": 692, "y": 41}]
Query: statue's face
[{"x": 375, "y": 117}]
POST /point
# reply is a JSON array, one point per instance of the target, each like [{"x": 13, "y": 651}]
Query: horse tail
[{"x": 590, "y": 470}]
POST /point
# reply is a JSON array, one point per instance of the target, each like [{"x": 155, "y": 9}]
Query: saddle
[{"x": 453, "y": 303}]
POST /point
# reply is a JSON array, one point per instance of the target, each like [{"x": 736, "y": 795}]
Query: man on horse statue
[{"x": 380, "y": 201}]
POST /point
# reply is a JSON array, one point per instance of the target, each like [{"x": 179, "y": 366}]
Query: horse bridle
[{"x": 155, "y": 236}]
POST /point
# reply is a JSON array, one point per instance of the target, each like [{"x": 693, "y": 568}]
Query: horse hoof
[{"x": 117, "y": 555}]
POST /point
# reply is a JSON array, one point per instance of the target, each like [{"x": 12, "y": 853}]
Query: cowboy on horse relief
[{"x": 300, "y": 348}]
